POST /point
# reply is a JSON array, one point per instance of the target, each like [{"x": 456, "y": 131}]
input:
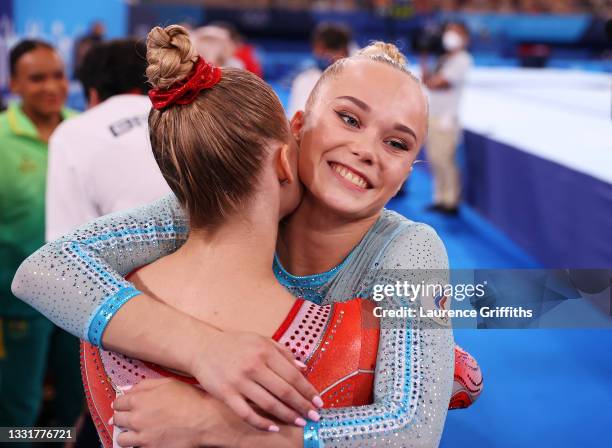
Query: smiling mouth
[{"x": 350, "y": 175}]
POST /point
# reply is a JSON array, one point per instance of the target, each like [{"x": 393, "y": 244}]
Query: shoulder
[
  {"x": 412, "y": 245},
  {"x": 73, "y": 127},
  {"x": 95, "y": 124}
]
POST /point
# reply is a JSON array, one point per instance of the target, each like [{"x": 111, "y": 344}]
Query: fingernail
[
  {"x": 110, "y": 421},
  {"x": 317, "y": 401},
  {"x": 273, "y": 428},
  {"x": 124, "y": 388},
  {"x": 300, "y": 364},
  {"x": 314, "y": 416},
  {"x": 300, "y": 421},
  {"x": 113, "y": 405}
]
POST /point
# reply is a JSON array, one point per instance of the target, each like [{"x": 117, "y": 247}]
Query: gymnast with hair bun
[{"x": 294, "y": 350}]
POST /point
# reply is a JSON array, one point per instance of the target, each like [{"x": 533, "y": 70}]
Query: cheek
[
  {"x": 33, "y": 91},
  {"x": 305, "y": 168},
  {"x": 63, "y": 86},
  {"x": 306, "y": 159},
  {"x": 397, "y": 173}
]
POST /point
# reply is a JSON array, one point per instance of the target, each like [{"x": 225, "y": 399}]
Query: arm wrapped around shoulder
[{"x": 77, "y": 281}]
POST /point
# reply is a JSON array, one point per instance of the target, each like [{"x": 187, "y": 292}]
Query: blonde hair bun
[
  {"x": 170, "y": 55},
  {"x": 384, "y": 50}
]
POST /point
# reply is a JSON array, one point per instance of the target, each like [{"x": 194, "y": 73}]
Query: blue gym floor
[{"x": 542, "y": 388}]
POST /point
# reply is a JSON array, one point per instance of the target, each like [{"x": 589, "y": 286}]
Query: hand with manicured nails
[
  {"x": 171, "y": 414},
  {"x": 244, "y": 369}
]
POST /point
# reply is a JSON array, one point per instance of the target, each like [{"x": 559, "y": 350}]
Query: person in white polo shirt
[
  {"x": 101, "y": 161},
  {"x": 330, "y": 42},
  {"x": 445, "y": 85}
]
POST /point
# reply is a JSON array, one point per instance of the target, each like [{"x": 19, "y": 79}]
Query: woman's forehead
[
  {"x": 372, "y": 81},
  {"x": 389, "y": 93}
]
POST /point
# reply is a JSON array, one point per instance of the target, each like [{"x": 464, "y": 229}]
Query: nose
[{"x": 364, "y": 153}]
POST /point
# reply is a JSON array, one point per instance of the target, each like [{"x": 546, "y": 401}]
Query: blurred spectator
[
  {"x": 84, "y": 44},
  {"x": 445, "y": 84},
  {"x": 330, "y": 42},
  {"x": 242, "y": 50},
  {"x": 101, "y": 161},
  {"x": 215, "y": 45},
  {"x": 27, "y": 339}
]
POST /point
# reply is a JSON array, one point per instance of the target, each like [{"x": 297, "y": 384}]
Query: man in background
[
  {"x": 330, "y": 42},
  {"x": 84, "y": 44},
  {"x": 101, "y": 161},
  {"x": 28, "y": 339},
  {"x": 445, "y": 86}
]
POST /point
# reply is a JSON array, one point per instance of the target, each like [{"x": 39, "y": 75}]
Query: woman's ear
[
  {"x": 283, "y": 165},
  {"x": 297, "y": 124}
]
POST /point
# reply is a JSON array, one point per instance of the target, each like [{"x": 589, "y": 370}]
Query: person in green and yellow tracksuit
[{"x": 27, "y": 339}]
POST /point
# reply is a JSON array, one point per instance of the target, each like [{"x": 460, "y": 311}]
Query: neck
[
  {"x": 315, "y": 239},
  {"x": 244, "y": 246},
  {"x": 45, "y": 123},
  {"x": 224, "y": 277}
]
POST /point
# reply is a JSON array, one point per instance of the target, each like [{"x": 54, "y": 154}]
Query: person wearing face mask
[
  {"x": 330, "y": 42},
  {"x": 38, "y": 78},
  {"x": 445, "y": 85}
]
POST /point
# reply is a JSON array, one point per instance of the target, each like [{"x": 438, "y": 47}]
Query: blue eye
[
  {"x": 348, "y": 119},
  {"x": 398, "y": 144}
]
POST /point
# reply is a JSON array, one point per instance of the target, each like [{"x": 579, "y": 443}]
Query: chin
[
  {"x": 50, "y": 110},
  {"x": 345, "y": 206}
]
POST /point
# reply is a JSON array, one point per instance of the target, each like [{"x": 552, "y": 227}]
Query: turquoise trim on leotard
[
  {"x": 105, "y": 312},
  {"x": 311, "y": 435}
]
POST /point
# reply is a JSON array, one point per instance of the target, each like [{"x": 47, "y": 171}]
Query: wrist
[
  {"x": 290, "y": 436},
  {"x": 198, "y": 348}
]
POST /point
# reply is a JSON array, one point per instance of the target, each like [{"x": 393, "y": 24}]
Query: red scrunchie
[{"x": 202, "y": 76}]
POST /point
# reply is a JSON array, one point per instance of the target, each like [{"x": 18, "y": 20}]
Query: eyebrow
[
  {"x": 366, "y": 108},
  {"x": 356, "y": 101},
  {"x": 404, "y": 128}
]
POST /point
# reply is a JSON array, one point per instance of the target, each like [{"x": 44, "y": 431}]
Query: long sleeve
[
  {"x": 414, "y": 371},
  {"x": 78, "y": 280}
]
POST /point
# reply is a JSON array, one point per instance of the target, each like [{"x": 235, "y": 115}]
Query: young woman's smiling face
[{"x": 360, "y": 137}]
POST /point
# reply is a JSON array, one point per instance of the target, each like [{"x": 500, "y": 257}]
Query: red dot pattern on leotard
[
  {"x": 304, "y": 334},
  {"x": 125, "y": 371}
]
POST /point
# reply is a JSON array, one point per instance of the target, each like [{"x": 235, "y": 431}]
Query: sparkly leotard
[
  {"x": 337, "y": 342},
  {"x": 77, "y": 281}
]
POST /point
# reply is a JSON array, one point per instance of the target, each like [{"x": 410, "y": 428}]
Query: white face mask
[{"x": 451, "y": 40}]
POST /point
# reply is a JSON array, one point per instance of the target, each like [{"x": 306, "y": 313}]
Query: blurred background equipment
[{"x": 533, "y": 145}]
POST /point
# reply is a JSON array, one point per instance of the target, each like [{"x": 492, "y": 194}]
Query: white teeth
[{"x": 350, "y": 176}]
